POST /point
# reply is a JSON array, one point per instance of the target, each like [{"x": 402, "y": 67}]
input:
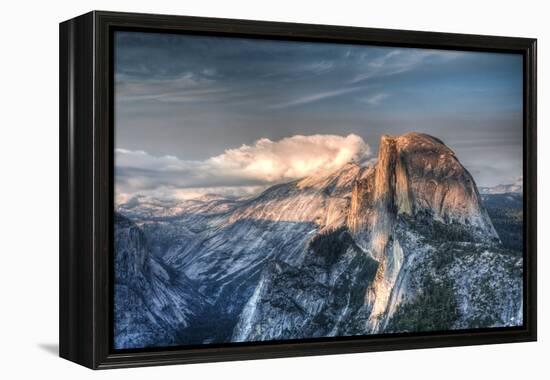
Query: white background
[{"x": 29, "y": 190}]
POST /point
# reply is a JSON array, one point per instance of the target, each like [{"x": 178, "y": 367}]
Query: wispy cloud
[
  {"x": 187, "y": 87},
  {"x": 321, "y": 67},
  {"x": 375, "y": 99},
  {"x": 400, "y": 61},
  {"x": 315, "y": 97}
]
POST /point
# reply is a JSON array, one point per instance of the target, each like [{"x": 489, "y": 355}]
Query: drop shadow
[{"x": 51, "y": 348}]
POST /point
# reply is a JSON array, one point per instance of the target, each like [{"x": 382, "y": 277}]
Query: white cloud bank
[{"x": 236, "y": 171}]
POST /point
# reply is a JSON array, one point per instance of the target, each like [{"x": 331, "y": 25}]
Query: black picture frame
[{"x": 86, "y": 187}]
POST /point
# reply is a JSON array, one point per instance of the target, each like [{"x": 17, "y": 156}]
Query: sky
[{"x": 205, "y": 114}]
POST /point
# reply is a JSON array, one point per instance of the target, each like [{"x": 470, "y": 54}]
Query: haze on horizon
[{"x": 197, "y": 114}]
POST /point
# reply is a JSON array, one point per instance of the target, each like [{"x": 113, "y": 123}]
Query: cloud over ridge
[{"x": 263, "y": 163}]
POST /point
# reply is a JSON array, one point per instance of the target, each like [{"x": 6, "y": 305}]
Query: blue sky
[{"x": 194, "y": 98}]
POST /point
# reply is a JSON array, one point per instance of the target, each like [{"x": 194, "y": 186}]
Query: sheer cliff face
[
  {"x": 416, "y": 178},
  {"x": 346, "y": 253},
  {"x": 416, "y": 175},
  {"x": 153, "y": 304}
]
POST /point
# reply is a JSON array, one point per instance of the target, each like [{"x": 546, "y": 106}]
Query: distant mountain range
[
  {"x": 403, "y": 245},
  {"x": 516, "y": 187}
]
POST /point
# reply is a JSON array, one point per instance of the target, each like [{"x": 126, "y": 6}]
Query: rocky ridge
[{"x": 353, "y": 252}]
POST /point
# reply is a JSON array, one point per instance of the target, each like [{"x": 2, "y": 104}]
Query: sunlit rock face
[
  {"x": 419, "y": 179},
  {"x": 403, "y": 244},
  {"x": 416, "y": 175}
]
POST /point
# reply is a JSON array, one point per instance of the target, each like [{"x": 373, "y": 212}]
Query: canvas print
[{"x": 271, "y": 190}]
